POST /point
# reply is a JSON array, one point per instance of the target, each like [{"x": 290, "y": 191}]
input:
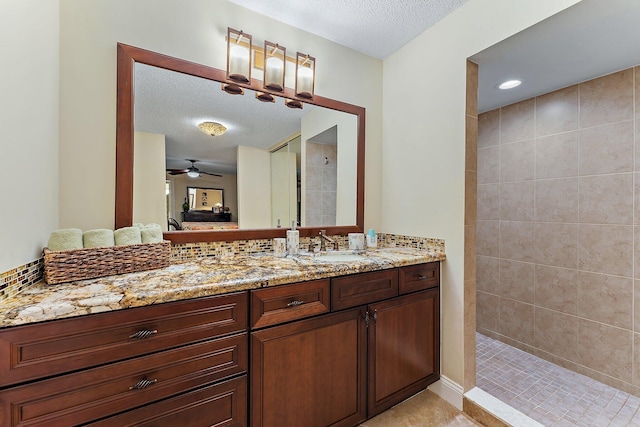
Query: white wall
[
  {"x": 284, "y": 188},
  {"x": 423, "y": 148},
  {"x": 29, "y": 46},
  {"x": 149, "y": 194},
  {"x": 193, "y": 30},
  {"x": 254, "y": 188}
]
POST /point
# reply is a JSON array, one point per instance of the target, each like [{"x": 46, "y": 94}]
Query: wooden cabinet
[
  {"x": 129, "y": 359},
  {"x": 310, "y": 373}
]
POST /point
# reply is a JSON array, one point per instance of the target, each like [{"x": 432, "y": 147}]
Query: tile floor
[
  {"x": 550, "y": 394},
  {"x": 425, "y": 409}
]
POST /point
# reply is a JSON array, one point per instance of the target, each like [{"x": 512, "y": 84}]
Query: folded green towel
[
  {"x": 139, "y": 225},
  {"x": 99, "y": 238},
  {"x": 127, "y": 236},
  {"x": 65, "y": 239},
  {"x": 152, "y": 225},
  {"x": 151, "y": 234}
]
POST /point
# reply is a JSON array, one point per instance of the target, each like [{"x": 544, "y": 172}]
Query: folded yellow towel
[
  {"x": 99, "y": 238},
  {"x": 127, "y": 236},
  {"x": 151, "y": 234},
  {"x": 65, "y": 239}
]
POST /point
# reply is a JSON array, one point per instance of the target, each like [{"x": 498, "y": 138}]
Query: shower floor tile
[{"x": 550, "y": 394}]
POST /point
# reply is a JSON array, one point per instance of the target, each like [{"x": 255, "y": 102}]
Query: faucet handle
[
  {"x": 312, "y": 244},
  {"x": 323, "y": 232}
]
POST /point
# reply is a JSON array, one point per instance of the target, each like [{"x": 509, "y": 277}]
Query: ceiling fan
[{"x": 192, "y": 171}]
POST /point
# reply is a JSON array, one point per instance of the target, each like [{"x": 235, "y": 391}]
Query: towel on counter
[
  {"x": 99, "y": 238},
  {"x": 152, "y": 233},
  {"x": 139, "y": 225},
  {"x": 127, "y": 236},
  {"x": 65, "y": 239}
]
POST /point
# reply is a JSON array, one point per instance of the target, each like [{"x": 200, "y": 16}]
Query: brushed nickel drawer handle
[
  {"x": 143, "y": 383},
  {"x": 421, "y": 277},
  {"x": 295, "y": 303},
  {"x": 144, "y": 333}
]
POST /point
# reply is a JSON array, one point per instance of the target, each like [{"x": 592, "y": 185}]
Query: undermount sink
[{"x": 338, "y": 257}]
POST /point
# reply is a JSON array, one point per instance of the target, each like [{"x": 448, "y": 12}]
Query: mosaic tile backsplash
[{"x": 17, "y": 279}]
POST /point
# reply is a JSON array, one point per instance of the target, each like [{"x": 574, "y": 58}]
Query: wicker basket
[{"x": 80, "y": 264}]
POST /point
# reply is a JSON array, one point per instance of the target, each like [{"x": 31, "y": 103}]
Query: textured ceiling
[{"x": 375, "y": 27}]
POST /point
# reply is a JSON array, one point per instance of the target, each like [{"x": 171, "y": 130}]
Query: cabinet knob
[
  {"x": 295, "y": 303},
  {"x": 375, "y": 316},
  {"x": 144, "y": 333},
  {"x": 143, "y": 383}
]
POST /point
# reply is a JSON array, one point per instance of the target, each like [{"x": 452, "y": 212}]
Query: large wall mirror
[{"x": 275, "y": 165}]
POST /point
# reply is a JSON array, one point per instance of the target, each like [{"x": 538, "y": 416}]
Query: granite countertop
[{"x": 197, "y": 278}]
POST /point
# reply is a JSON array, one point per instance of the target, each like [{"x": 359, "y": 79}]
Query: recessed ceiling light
[{"x": 510, "y": 84}]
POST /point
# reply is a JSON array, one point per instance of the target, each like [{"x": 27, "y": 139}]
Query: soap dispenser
[{"x": 293, "y": 240}]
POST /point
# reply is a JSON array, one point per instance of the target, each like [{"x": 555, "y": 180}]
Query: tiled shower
[{"x": 558, "y": 219}]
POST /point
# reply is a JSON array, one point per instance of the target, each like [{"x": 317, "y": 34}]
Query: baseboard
[{"x": 448, "y": 390}]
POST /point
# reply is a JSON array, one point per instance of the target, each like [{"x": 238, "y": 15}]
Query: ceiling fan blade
[
  {"x": 212, "y": 174},
  {"x": 176, "y": 171}
]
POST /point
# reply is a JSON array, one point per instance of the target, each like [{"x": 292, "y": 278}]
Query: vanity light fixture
[
  {"x": 238, "y": 56},
  {"x": 293, "y": 103},
  {"x": 509, "y": 84},
  {"x": 274, "y": 66},
  {"x": 212, "y": 128},
  {"x": 265, "y": 97},
  {"x": 305, "y": 75}
]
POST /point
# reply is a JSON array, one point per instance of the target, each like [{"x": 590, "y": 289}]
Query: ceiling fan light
[
  {"x": 193, "y": 174},
  {"x": 212, "y": 128}
]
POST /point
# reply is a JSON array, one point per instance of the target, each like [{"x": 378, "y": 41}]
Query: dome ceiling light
[
  {"x": 212, "y": 128},
  {"x": 510, "y": 84}
]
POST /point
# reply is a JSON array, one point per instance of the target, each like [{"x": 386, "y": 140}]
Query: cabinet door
[
  {"x": 404, "y": 356},
  {"x": 310, "y": 373}
]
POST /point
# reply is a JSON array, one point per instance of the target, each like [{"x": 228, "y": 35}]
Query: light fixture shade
[
  {"x": 293, "y": 103},
  {"x": 274, "y": 66},
  {"x": 212, "y": 128},
  {"x": 238, "y": 56},
  {"x": 193, "y": 174},
  {"x": 265, "y": 97},
  {"x": 305, "y": 75}
]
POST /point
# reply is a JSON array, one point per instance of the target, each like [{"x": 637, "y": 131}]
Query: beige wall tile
[
  {"x": 606, "y": 299},
  {"x": 556, "y": 333},
  {"x": 516, "y": 238},
  {"x": 606, "y": 249},
  {"x": 606, "y": 349},
  {"x": 469, "y": 334},
  {"x": 516, "y": 201},
  {"x": 556, "y": 156},
  {"x": 472, "y": 89},
  {"x": 517, "y": 121},
  {"x": 488, "y": 166},
  {"x": 606, "y": 199},
  {"x": 637, "y": 143},
  {"x": 637, "y": 89},
  {"x": 489, "y": 129},
  {"x": 470, "y": 253},
  {"x": 557, "y": 111},
  {"x": 488, "y": 238},
  {"x": 328, "y": 202},
  {"x": 516, "y": 321},
  {"x": 471, "y": 138},
  {"x": 516, "y": 161},
  {"x": 470, "y": 196},
  {"x": 489, "y": 201},
  {"x": 636, "y": 359},
  {"x": 636, "y": 197},
  {"x": 636, "y": 247},
  {"x": 556, "y": 200},
  {"x": 487, "y": 311},
  {"x": 517, "y": 280},
  {"x": 606, "y": 149},
  {"x": 607, "y": 99},
  {"x": 556, "y": 288},
  {"x": 556, "y": 244},
  {"x": 314, "y": 154},
  {"x": 488, "y": 274},
  {"x": 314, "y": 178}
]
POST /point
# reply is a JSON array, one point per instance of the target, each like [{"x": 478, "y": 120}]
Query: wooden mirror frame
[{"x": 127, "y": 57}]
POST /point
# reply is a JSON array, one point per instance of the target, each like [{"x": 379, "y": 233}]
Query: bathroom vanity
[{"x": 334, "y": 350}]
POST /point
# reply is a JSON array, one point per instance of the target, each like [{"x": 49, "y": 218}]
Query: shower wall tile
[
  {"x": 516, "y": 201},
  {"x": 606, "y": 299},
  {"x": 556, "y": 156},
  {"x": 606, "y": 149},
  {"x": 471, "y": 143},
  {"x": 556, "y": 333},
  {"x": 517, "y": 280},
  {"x": 637, "y": 90},
  {"x": 516, "y": 320},
  {"x": 517, "y": 122},
  {"x": 329, "y": 179},
  {"x": 515, "y": 240},
  {"x": 488, "y": 165},
  {"x": 636, "y": 258},
  {"x": 516, "y": 161},
  {"x": 488, "y": 274},
  {"x": 556, "y": 200},
  {"x": 606, "y": 199},
  {"x": 489, "y": 129},
  {"x": 488, "y": 238},
  {"x": 556, "y": 244},
  {"x": 636, "y": 359},
  {"x": 330, "y": 152},
  {"x": 556, "y": 288},
  {"x": 557, "y": 111},
  {"x": 606, "y": 249},
  {"x": 489, "y": 201},
  {"x": 487, "y": 311},
  {"x": 607, "y": 99},
  {"x": 636, "y": 306},
  {"x": 606, "y": 349},
  {"x": 471, "y": 197},
  {"x": 636, "y": 198},
  {"x": 637, "y": 143}
]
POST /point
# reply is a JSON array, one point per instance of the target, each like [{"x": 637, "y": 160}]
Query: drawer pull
[
  {"x": 144, "y": 333},
  {"x": 143, "y": 383},
  {"x": 295, "y": 303},
  {"x": 421, "y": 277}
]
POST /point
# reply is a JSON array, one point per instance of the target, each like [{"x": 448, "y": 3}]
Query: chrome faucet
[{"x": 323, "y": 238}]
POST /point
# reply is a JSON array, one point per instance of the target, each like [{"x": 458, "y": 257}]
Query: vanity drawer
[
  {"x": 418, "y": 277},
  {"x": 220, "y": 405},
  {"x": 284, "y": 303},
  {"x": 42, "y": 350},
  {"x": 363, "y": 288},
  {"x": 95, "y": 393}
]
